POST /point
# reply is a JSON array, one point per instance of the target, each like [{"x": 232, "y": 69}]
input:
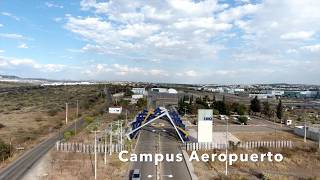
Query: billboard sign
[{"x": 205, "y": 120}]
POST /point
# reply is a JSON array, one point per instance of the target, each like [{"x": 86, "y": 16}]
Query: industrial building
[
  {"x": 156, "y": 99},
  {"x": 312, "y": 133}
]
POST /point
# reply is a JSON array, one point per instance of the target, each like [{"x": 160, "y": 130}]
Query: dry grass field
[
  {"x": 300, "y": 162},
  {"x": 30, "y": 113},
  {"x": 76, "y": 166}
]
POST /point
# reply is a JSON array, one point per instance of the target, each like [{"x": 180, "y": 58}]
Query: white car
[{"x": 135, "y": 174}]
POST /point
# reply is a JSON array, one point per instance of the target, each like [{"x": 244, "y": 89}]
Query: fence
[
  {"x": 89, "y": 148},
  {"x": 245, "y": 145}
]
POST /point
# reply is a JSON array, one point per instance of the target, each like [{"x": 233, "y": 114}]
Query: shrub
[
  {"x": 38, "y": 118},
  {"x": 52, "y": 112},
  {"x": 243, "y": 120},
  {"x": 88, "y": 119},
  {"x": 4, "y": 149},
  {"x": 2, "y": 126},
  {"x": 68, "y": 134}
]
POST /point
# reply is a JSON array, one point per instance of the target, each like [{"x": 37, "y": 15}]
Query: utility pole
[
  {"x": 10, "y": 145},
  {"x": 95, "y": 154},
  {"x": 66, "y": 113},
  {"x": 121, "y": 135},
  {"x": 110, "y": 140},
  {"x": 105, "y": 147},
  {"x": 275, "y": 127},
  {"x": 118, "y": 129},
  {"x": 305, "y": 130},
  {"x": 305, "y": 121},
  {"x": 77, "y": 115},
  {"x": 126, "y": 117},
  {"x": 319, "y": 136},
  {"x": 227, "y": 142}
]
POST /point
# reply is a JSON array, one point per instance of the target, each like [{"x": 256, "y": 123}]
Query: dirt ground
[
  {"x": 77, "y": 166},
  {"x": 300, "y": 162},
  {"x": 31, "y": 114}
]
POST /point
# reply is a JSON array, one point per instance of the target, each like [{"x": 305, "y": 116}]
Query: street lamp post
[
  {"x": 227, "y": 148},
  {"x": 66, "y": 113},
  {"x": 77, "y": 115},
  {"x": 110, "y": 147}
]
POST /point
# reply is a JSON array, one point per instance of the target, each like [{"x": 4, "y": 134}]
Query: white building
[
  {"x": 274, "y": 92},
  {"x": 172, "y": 91},
  {"x": 135, "y": 98},
  {"x": 160, "y": 90},
  {"x": 115, "y": 110},
  {"x": 139, "y": 90},
  {"x": 259, "y": 96},
  {"x": 238, "y": 90}
]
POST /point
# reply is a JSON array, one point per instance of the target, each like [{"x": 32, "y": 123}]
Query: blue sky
[{"x": 183, "y": 41}]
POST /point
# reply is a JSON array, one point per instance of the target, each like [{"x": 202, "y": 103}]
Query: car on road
[{"x": 135, "y": 174}]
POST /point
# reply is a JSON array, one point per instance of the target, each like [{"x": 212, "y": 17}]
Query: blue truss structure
[{"x": 145, "y": 117}]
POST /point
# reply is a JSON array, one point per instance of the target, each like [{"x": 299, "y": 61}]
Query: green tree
[
  {"x": 279, "y": 110},
  {"x": 88, "y": 119},
  {"x": 142, "y": 103},
  {"x": 222, "y": 107},
  {"x": 68, "y": 134},
  {"x": 240, "y": 109},
  {"x": 243, "y": 119},
  {"x": 267, "y": 109},
  {"x": 191, "y": 100},
  {"x": 255, "y": 105},
  {"x": 4, "y": 149},
  {"x": 128, "y": 93}
]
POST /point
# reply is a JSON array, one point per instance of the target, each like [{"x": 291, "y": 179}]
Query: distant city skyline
[{"x": 174, "y": 41}]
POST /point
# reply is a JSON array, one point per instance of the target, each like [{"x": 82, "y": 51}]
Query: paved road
[
  {"x": 20, "y": 166},
  {"x": 166, "y": 138}
]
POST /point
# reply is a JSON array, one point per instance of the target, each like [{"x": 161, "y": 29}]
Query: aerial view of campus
[{"x": 160, "y": 90}]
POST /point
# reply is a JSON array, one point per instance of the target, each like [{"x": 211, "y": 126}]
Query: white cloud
[
  {"x": 10, "y": 15},
  {"x": 300, "y": 35},
  {"x": 2, "y": 51},
  {"x": 123, "y": 70},
  {"x": 12, "y": 36},
  {"x": 52, "y": 5},
  {"x": 1, "y": 25},
  {"x": 238, "y": 12},
  {"x": 22, "y": 63},
  {"x": 57, "y": 19},
  {"x": 189, "y": 73},
  {"x": 23, "y": 46},
  {"x": 208, "y": 33},
  {"x": 312, "y": 48},
  {"x": 164, "y": 30}
]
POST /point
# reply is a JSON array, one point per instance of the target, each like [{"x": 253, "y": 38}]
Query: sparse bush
[
  {"x": 2, "y": 126},
  {"x": 88, "y": 119},
  {"x": 52, "y": 112},
  {"x": 38, "y": 118},
  {"x": 243, "y": 120},
  {"x": 286, "y": 152},
  {"x": 4, "y": 149},
  {"x": 68, "y": 134},
  {"x": 263, "y": 149}
]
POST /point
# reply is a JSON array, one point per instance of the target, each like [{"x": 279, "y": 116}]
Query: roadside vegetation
[
  {"x": 273, "y": 110},
  {"x": 30, "y": 113}
]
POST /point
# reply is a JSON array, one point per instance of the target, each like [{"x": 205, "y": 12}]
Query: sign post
[{"x": 205, "y": 120}]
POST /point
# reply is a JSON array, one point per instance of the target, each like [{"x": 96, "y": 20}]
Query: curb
[
  {"x": 131, "y": 164},
  {"x": 189, "y": 165}
]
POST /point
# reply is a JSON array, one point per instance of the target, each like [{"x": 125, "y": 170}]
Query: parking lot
[{"x": 255, "y": 124}]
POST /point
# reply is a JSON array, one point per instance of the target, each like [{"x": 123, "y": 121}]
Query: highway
[
  {"x": 20, "y": 166},
  {"x": 162, "y": 140}
]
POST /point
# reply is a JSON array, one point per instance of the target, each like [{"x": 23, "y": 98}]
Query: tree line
[{"x": 190, "y": 105}]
